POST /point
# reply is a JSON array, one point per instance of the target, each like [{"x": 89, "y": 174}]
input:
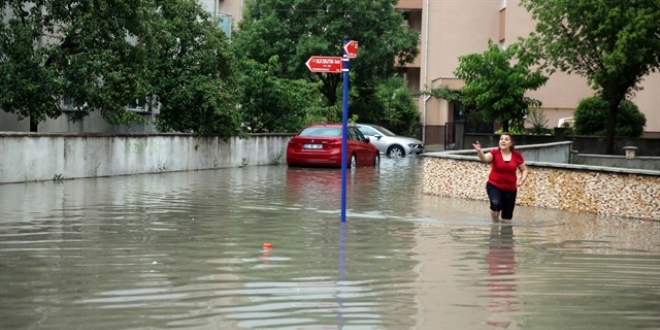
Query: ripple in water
[{"x": 185, "y": 250}]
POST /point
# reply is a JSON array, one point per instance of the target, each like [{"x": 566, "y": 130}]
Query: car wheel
[
  {"x": 396, "y": 152},
  {"x": 353, "y": 163},
  {"x": 377, "y": 160}
]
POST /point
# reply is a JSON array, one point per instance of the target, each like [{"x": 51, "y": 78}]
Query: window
[
  {"x": 145, "y": 104},
  {"x": 321, "y": 131},
  {"x": 406, "y": 20},
  {"x": 139, "y": 105},
  {"x": 69, "y": 104},
  {"x": 360, "y": 136},
  {"x": 352, "y": 134},
  {"x": 225, "y": 21},
  {"x": 368, "y": 131}
]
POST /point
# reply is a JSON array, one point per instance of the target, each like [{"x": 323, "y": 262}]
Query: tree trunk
[
  {"x": 329, "y": 89},
  {"x": 33, "y": 125},
  {"x": 610, "y": 127},
  {"x": 505, "y": 126},
  {"x": 332, "y": 97}
]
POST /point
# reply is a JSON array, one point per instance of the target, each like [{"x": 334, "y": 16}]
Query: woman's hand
[
  {"x": 523, "y": 174},
  {"x": 476, "y": 145},
  {"x": 484, "y": 158}
]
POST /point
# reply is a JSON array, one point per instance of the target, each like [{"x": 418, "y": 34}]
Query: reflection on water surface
[{"x": 185, "y": 250}]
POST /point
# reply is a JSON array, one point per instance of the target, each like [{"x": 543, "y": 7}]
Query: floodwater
[{"x": 186, "y": 251}]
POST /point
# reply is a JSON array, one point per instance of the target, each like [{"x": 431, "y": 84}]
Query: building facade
[{"x": 452, "y": 28}]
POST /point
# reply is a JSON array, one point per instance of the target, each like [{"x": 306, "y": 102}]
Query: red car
[{"x": 320, "y": 145}]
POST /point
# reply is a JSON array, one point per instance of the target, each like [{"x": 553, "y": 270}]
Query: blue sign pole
[
  {"x": 344, "y": 129},
  {"x": 342, "y": 273}
]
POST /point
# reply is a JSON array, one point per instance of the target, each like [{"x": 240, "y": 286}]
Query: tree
[
  {"x": 496, "y": 87},
  {"x": 194, "y": 72},
  {"x": 401, "y": 115},
  {"x": 591, "y": 116},
  {"x": 297, "y": 29},
  {"x": 272, "y": 104},
  {"x": 613, "y": 43},
  {"x": 104, "y": 55},
  {"x": 77, "y": 56}
]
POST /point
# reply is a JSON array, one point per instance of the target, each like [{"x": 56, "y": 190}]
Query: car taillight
[{"x": 334, "y": 144}]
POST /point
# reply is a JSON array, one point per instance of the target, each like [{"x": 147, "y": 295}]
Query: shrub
[
  {"x": 591, "y": 118},
  {"x": 512, "y": 130},
  {"x": 536, "y": 117}
]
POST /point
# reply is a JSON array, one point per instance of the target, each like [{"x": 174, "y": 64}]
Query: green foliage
[
  {"x": 611, "y": 43},
  {"x": 297, "y": 29},
  {"x": 514, "y": 131},
  {"x": 446, "y": 93},
  {"x": 273, "y": 104},
  {"x": 105, "y": 55},
  {"x": 400, "y": 111},
  {"x": 591, "y": 117},
  {"x": 333, "y": 114},
  {"x": 536, "y": 117},
  {"x": 496, "y": 82},
  {"x": 194, "y": 72},
  {"x": 367, "y": 105},
  {"x": 51, "y": 50}
]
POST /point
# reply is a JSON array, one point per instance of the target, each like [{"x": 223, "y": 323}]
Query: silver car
[{"x": 389, "y": 143}]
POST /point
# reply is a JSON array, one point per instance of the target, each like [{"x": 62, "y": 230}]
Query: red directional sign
[
  {"x": 325, "y": 64},
  {"x": 351, "y": 48}
]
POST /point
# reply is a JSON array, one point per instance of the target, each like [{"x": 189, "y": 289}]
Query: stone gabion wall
[{"x": 581, "y": 190}]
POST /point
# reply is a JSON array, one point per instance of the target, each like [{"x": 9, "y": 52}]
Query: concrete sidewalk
[{"x": 434, "y": 147}]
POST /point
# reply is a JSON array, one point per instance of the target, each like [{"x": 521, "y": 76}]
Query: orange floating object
[{"x": 268, "y": 245}]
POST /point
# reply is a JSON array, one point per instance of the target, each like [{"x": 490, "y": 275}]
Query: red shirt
[{"x": 503, "y": 174}]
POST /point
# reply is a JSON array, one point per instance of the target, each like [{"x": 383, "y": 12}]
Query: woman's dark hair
[{"x": 513, "y": 140}]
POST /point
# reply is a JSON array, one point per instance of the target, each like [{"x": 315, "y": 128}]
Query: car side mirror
[
  {"x": 366, "y": 139},
  {"x": 378, "y": 136}
]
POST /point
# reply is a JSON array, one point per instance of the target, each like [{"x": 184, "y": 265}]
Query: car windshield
[
  {"x": 383, "y": 130},
  {"x": 321, "y": 131}
]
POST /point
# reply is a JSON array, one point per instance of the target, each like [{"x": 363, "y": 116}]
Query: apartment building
[{"x": 451, "y": 28}]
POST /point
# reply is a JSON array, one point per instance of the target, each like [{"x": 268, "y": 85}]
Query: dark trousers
[{"x": 501, "y": 200}]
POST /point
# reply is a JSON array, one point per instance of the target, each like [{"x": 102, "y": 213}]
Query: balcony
[
  {"x": 410, "y": 4},
  {"x": 413, "y": 19}
]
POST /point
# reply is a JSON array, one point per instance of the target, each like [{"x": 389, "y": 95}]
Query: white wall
[{"x": 36, "y": 157}]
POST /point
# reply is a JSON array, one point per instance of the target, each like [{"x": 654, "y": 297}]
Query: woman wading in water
[{"x": 503, "y": 181}]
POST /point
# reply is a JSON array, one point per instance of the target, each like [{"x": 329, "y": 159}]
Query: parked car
[
  {"x": 320, "y": 145},
  {"x": 389, "y": 143}
]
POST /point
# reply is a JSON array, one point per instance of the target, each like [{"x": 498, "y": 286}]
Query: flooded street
[{"x": 187, "y": 250}]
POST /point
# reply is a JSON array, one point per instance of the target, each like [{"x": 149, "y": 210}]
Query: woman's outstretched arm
[{"x": 487, "y": 158}]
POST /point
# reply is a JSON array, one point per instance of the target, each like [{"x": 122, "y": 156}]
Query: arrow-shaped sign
[
  {"x": 325, "y": 64},
  {"x": 351, "y": 48}
]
